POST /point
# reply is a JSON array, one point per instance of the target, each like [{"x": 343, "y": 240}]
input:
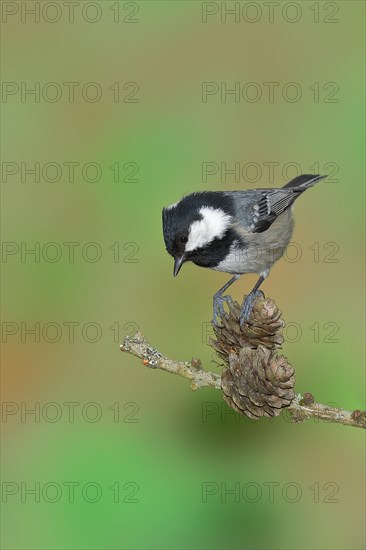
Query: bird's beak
[{"x": 178, "y": 262}]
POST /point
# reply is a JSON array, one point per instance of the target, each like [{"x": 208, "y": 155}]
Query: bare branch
[
  {"x": 138, "y": 346},
  {"x": 300, "y": 412}
]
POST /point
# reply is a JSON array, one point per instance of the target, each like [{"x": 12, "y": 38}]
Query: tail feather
[{"x": 303, "y": 182}]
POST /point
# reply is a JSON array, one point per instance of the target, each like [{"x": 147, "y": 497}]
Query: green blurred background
[{"x": 175, "y": 455}]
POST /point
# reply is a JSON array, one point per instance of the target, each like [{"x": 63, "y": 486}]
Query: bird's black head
[{"x": 197, "y": 229}]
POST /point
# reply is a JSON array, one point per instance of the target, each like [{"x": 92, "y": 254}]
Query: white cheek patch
[{"x": 213, "y": 225}]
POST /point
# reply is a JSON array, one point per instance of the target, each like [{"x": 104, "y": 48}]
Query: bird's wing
[{"x": 257, "y": 209}]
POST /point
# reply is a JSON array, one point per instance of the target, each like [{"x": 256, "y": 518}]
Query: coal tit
[{"x": 233, "y": 231}]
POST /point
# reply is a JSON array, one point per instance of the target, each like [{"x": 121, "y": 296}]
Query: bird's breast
[{"x": 257, "y": 252}]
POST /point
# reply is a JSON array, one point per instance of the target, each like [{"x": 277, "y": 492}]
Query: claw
[
  {"x": 219, "y": 299},
  {"x": 218, "y": 307},
  {"x": 247, "y": 306}
]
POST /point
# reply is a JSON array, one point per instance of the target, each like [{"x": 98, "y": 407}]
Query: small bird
[{"x": 236, "y": 232}]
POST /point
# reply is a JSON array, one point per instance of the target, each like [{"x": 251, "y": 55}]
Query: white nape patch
[
  {"x": 213, "y": 225},
  {"x": 172, "y": 205}
]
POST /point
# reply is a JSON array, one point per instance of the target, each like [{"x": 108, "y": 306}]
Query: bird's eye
[{"x": 183, "y": 239}]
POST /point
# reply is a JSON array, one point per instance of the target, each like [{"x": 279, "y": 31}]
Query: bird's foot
[
  {"x": 247, "y": 306},
  {"x": 218, "y": 307}
]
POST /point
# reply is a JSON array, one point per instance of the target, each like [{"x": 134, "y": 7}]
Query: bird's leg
[
  {"x": 246, "y": 308},
  {"x": 219, "y": 299}
]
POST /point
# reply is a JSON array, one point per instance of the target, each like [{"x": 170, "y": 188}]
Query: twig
[
  {"x": 138, "y": 346},
  {"x": 301, "y": 412},
  {"x": 301, "y": 408}
]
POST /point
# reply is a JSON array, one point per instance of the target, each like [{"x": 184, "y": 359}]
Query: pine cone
[
  {"x": 264, "y": 328},
  {"x": 258, "y": 383}
]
